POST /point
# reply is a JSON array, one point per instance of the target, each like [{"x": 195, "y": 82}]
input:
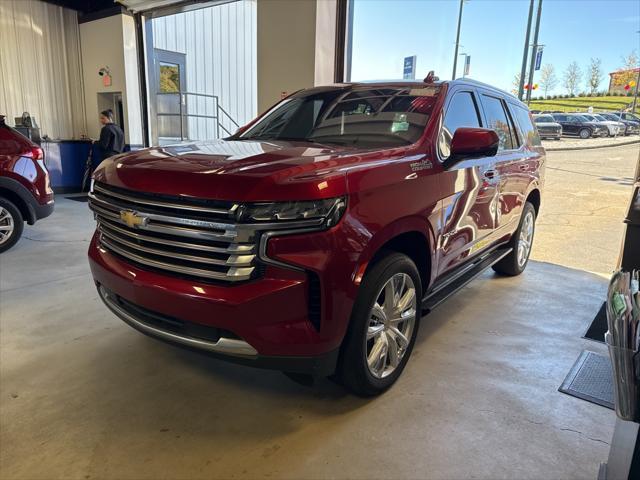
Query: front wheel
[
  {"x": 585, "y": 133},
  {"x": 383, "y": 326},
  {"x": 521, "y": 243}
]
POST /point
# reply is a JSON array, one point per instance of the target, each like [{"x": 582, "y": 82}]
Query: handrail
[
  {"x": 228, "y": 116},
  {"x": 217, "y": 117}
]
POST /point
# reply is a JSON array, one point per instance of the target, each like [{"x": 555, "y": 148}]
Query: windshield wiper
[{"x": 337, "y": 139}]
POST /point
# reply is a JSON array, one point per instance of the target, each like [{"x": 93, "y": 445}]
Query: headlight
[{"x": 329, "y": 209}]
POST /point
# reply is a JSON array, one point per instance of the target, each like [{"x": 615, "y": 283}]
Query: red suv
[
  {"x": 25, "y": 191},
  {"x": 311, "y": 240}
]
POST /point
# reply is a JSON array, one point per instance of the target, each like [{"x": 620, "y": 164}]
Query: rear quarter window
[{"x": 526, "y": 127}]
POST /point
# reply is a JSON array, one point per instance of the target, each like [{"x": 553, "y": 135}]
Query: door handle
[{"x": 489, "y": 174}]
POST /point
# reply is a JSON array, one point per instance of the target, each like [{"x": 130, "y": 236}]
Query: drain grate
[{"x": 590, "y": 379}]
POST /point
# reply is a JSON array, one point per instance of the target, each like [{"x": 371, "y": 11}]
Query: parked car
[
  {"x": 547, "y": 127},
  {"x": 311, "y": 240},
  {"x": 614, "y": 128},
  {"x": 575, "y": 125},
  {"x": 25, "y": 191},
  {"x": 632, "y": 127},
  {"x": 633, "y": 117}
]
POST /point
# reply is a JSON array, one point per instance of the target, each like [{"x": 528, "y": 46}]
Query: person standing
[{"x": 111, "y": 136}]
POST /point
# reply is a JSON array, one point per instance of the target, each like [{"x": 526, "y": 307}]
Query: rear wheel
[
  {"x": 383, "y": 326},
  {"x": 521, "y": 243},
  {"x": 11, "y": 224},
  {"x": 585, "y": 133}
]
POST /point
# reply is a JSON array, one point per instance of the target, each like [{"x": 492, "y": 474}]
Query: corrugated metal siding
[
  {"x": 220, "y": 47},
  {"x": 40, "y": 69}
]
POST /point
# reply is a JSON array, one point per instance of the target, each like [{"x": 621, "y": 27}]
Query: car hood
[{"x": 234, "y": 170}]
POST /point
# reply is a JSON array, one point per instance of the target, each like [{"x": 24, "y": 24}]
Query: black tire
[
  {"x": 16, "y": 220},
  {"x": 353, "y": 371},
  {"x": 510, "y": 265},
  {"x": 584, "y": 133}
]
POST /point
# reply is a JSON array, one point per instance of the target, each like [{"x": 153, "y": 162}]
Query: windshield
[
  {"x": 544, "y": 119},
  {"x": 361, "y": 116},
  {"x": 581, "y": 118}
]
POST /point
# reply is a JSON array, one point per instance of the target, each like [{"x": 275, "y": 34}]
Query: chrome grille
[{"x": 192, "y": 237}]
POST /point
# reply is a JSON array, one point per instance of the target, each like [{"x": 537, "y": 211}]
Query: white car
[
  {"x": 614, "y": 128},
  {"x": 621, "y": 126}
]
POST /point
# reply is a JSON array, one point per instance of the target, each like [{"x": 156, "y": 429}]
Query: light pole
[
  {"x": 455, "y": 53},
  {"x": 534, "y": 51},
  {"x": 523, "y": 71},
  {"x": 635, "y": 97}
]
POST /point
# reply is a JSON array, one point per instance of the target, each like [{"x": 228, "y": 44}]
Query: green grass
[{"x": 581, "y": 104}]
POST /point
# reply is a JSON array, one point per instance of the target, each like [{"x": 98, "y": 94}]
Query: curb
[{"x": 590, "y": 147}]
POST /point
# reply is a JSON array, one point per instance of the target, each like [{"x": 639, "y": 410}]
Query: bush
[{"x": 582, "y": 94}]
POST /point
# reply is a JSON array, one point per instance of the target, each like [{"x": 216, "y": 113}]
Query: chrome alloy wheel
[
  {"x": 526, "y": 238},
  {"x": 391, "y": 322},
  {"x": 6, "y": 225}
]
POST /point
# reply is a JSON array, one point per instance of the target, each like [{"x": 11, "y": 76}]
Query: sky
[{"x": 493, "y": 33}]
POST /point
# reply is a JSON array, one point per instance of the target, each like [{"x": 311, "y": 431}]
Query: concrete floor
[{"x": 84, "y": 396}]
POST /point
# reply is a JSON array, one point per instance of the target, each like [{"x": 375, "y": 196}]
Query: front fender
[{"x": 412, "y": 224}]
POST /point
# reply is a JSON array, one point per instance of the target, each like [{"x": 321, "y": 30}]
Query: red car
[
  {"x": 311, "y": 240},
  {"x": 25, "y": 191}
]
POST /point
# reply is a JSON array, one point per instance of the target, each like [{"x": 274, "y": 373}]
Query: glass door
[{"x": 171, "y": 108}]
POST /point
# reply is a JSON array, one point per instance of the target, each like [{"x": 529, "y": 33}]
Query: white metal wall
[
  {"x": 220, "y": 47},
  {"x": 40, "y": 68}
]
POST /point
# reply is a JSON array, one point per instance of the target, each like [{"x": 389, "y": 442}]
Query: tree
[
  {"x": 515, "y": 84},
  {"x": 571, "y": 79},
  {"x": 594, "y": 75},
  {"x": 548, "y": 79}
]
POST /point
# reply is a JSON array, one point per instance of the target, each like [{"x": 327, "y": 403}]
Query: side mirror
[{"x": 472, "y": 143}]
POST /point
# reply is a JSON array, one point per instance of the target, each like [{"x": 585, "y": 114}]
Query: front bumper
[
  {"x": 217, "y": 344},
  {"x": 270, "y": 315},
  {"x": 551, "y": 134}
]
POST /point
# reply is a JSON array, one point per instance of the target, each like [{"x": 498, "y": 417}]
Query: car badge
[{"x": 132, "y": 219}]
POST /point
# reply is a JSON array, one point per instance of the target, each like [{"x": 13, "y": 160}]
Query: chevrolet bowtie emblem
[{"x": 132, "y": 219}]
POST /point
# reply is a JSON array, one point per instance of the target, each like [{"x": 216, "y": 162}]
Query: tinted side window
[
  {"x": 497, "y": 120},
  {"x": 461, "y": 112},
  {"x": 526, "y": 129}
]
